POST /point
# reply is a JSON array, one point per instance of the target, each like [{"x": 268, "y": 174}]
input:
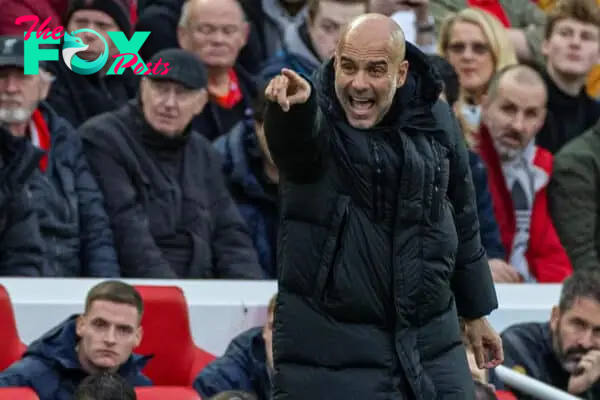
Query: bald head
[
  {"x": 520, "y": 74},
  {"x": 193, "y": 7},
  {"x": 374, "y": 28}
]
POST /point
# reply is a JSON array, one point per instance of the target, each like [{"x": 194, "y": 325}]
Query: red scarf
[
  {"x": 234, "y": 95},
  {"x": 42, "y": 136},
  {"x": 492, "y": 7}
]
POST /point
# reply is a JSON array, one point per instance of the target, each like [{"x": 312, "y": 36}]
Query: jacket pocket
[
  {"x": 332, "y": 247},
  {"x": 440, "y": 189}
]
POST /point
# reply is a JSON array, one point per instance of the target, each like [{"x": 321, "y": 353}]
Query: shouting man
[{"x": 379, "y": 243}]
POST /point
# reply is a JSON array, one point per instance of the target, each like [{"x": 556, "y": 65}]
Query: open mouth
[{"x": 361, "y": 104}]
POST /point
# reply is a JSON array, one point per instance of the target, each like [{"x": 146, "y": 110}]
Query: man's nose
[
  {"x": 360, "y": 82},
  {"x": 111, "y": 336},
  {"x": 586, "y": 340},
  {"x": 518, "y": 123}
]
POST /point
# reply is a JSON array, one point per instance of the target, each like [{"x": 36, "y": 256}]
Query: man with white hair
[{"x": 69, "y": 204}]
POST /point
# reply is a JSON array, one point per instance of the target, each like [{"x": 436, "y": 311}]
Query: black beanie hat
[{"x": 115, "y": 8}]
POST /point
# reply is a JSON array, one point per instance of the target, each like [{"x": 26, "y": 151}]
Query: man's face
[
  {"x": 268, "y": 338},
  {"x": 168, "y": 106},
  {"x": 514, "y": 116},
  {"x": 573, "y": 48},
  {"x": 575, "y": 331},
  {"x": 99, "y": 22},
  {"x": 109, "y": 332},
  {"x": 20, "y": 93},
  {"x": 367, "y": 76},
  {"x": 471, "y": 56},
  {"x": 328, "y": 22},
  {"x": 216, "y": 32}
]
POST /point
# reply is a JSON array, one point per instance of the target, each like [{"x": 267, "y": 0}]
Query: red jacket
[
  {"x": 12, "y": 9},
  {"x": 546, "y": 257}
]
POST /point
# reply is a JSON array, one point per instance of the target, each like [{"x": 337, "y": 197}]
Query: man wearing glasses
[{"x": 169, "y": 207}]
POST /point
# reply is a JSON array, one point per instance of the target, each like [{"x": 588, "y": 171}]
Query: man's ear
[
  {"x": 402, "y": 73},
  {"x": 554, "y": 318},
  {"x": 545, "y": 48},
  {"x": 79, "y": 323}
]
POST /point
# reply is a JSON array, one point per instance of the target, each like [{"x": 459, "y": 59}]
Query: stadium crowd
[{"x": 169, "y": 176}]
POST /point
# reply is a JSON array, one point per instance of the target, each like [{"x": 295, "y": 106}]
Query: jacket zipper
[{"x": 378, "y": 181}]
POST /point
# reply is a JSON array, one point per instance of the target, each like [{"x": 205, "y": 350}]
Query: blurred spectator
[
  {"x": 253, "y": 181},
  {"x": 234, "y": 395},
  {"x": 564, "y": 352},
  {"x": 488, "y": 227},
  {"x": 105, "y": 386},
  {"x": 413, "y": 17},
  {"x": 307, "y": 45},
  {"x": 523, "y": 21},
  {"x": 572, "y": 46},
  {"x": 78, "y": 97},
  {"x": 476, "y": 45},
  {"x": 271, "y": 18},
  {"x": 216, "y": 31},
  {"x": 518, "y": 175},
  {"x": 170, "y": 209},
  {"x": 161, "y": 18},
  {"x": 246, "y": 365},
  {"x": 99, "y": 340},
  {"x": 574, "y": 198},
  {"x": 21, "y": 247},
  {"x": 43, "y": 9},
  {"x": 70, "y": 207}
]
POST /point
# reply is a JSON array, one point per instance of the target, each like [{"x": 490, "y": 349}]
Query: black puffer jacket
[{"x": 379, "y": 248}]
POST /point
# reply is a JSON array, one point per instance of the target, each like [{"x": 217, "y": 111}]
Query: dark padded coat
[{"x": 379, "y": 248}]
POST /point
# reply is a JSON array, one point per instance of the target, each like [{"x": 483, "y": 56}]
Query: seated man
[
  {"x": 21, "y": 246},
  {"x": 246, "y": 365},
  {"x": 253, "y": 181},
  {"x": 105, "y": 387},
  {"x": 231, "y": 88},
  {"x": 572, "y": 48},
  {"x": 488, "y": 227},
  {"x": 307, "y": 45},
  {"x": 170, "y": 209},
  {"x": 77, "y": 97},
  {"x": 574, "y": 198},
  {"x": 519, "y": 173},
  {"x": 69, "y": 205},
  {"x": 564, "y": 352},
  {"x": 99, "y": 340}
]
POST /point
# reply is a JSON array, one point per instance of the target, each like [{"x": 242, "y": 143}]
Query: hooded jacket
[
  {"x": 379, "y": 248},
  {"x": 51, "y": 368}
]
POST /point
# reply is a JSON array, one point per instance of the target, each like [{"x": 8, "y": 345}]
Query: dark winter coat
[
  {"x": 379, "y": 248},
  {"x": 167, "y": 200},
  {"x": 21, "y": 246}
]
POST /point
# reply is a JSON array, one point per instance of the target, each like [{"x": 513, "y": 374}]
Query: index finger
[{"x": 292, "y": 75}]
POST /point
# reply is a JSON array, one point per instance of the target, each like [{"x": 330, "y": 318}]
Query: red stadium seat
[
  {"x": 11, "y": 347},
  {"x": 167, "y": 335},
  {"x": 18, "y": 394},
  {"x": 504, "y": 395},
  {"x": 168, "y": 392}
]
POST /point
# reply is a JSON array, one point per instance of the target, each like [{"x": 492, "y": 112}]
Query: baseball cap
[
  {"x": 185, "y": 68},
  {"x": 12, "y": 51}
]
